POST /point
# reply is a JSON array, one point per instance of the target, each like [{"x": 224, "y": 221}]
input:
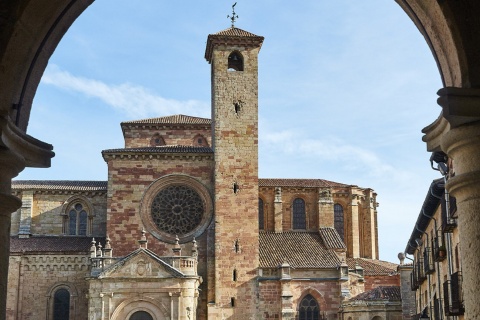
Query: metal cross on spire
[{"x": 234, "y": 16}]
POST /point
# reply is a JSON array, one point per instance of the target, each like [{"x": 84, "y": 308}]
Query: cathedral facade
[{"x": 185, "y": 229}]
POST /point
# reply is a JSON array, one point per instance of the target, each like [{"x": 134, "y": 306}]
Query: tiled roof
[
  {"x": 232, "y": 36},
  {"x": 390, "y": 293},
  {"x": 59, "y": 185},
  {"x": 299, "y": 249},
  {"x": 373, "y": 267},
  {"x": 52, "y": 244},
  {"x": 235, "y": 32},
  {"x": 174, "y": 119},
  {"x": 306, "y": 183},
  {"x": 162, "y": 149},
  {"x": 331, "y": 238}
]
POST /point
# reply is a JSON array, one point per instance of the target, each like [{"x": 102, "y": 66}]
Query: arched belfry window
[
  {"x": 141, "y": 315},
  {"x": 235, "y": 61},
  {"x": 299, "y": 218},
  {"x": 61, "y": 305},
  {"x": 339, "y": 220},
  {"x": 308, "y": 309},
  {"x": 261, "y": 215}
]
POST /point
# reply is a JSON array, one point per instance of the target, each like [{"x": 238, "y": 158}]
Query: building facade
[
  {"x": 436, "y": 277},
  {"x": 184, "y": 228}
]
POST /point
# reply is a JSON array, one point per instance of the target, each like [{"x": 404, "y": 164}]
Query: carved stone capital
[{"x": 460, "y": 105}]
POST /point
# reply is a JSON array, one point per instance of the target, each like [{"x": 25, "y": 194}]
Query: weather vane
[{"x": 234, "y": 16}]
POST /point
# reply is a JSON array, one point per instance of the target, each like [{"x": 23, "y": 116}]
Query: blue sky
[{"x": 345, "y": 88}]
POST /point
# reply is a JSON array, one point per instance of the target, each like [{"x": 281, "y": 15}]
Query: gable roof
[
  {"x": 382, "y": 293},
  {"x": 331, "y": 239},
  {"x": 306, "y": 183},
  {"x": 299, "y": 249},
  {"x": 140, "y": 251},
  {"x": 71, "y": 185},
  {"x": 173, "y": 119},
  {"x": 373, "y": 267}
]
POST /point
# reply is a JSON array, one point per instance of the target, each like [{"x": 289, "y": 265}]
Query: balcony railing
[
  {"x": 439, "y": 251},
  {"x": 449, "y": 208},
  {"x": 414, "y": 280},
  {"x": 428, "y": 265},
  {"x": 421, "y": 275},
  {"x": 453, "y": 295}
]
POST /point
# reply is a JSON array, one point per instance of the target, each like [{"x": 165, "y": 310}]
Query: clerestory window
[
  {"x": 261, "y": 216},
  {"x": 299, "y": 217},
  {"x": 77, "y": 219},
  {"x": 339, "y": 220}
]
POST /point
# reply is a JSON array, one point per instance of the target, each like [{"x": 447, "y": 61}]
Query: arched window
[
  {"x": 339, "y": 220},
  {"x": 61, "y": 305},
  {"x": 77, "y": 219},
  {"x": 235, "y": 61},
  {"x": 141, "y": 315},
  {"x": 261, "y": 216},
  {"x": 308, "y": 308},
  {"x": 157, "y": 140},
  {"x": 299, "y": 219},
  {"x": 200, "y": 141}
]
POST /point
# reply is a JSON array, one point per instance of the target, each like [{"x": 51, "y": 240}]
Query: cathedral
[{"x": 185, "y": 229}]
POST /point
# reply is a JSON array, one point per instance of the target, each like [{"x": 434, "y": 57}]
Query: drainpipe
[{"x": 429, "y": 304}]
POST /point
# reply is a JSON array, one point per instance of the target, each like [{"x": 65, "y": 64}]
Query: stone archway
[{"x": 31, "y": 30}]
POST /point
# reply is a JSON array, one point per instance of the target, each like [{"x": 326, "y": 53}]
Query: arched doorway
[{"x": 141, "y": 315}]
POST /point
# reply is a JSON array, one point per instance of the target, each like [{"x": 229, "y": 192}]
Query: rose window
[{"x": 177, "y": 209}]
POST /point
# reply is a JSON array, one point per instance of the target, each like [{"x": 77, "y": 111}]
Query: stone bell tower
[{"x": 233, "y": 55}]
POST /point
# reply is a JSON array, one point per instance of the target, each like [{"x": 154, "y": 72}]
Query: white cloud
[
  {"x": 132, "y": 100},
  {"x": 335, "y": 150}
]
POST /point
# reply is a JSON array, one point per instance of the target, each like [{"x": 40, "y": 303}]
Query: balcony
[
  {"x": 428, "y": 265},
  {"x": 453, "y": 295},
  {"x": 439, "y": 251},
  {"x": 449, "y": 209},
  {"x": 421, "y": 275},
  {"x": 414, "y": 284}
]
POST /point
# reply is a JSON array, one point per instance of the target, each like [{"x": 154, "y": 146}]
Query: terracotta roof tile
[
  {"x": 299, "y": 249},
  {"x": 174, "y": 119},
  {"x": 235, "y": 32},
  {"x": 373, "y": 267},
  {"x": 306, "y": 183},
  {"x": 390, "y": 293},
  {"x": 52, "y": 244},
  {"x": 233, "y": 36},
  {"x": 331, "y": 238},
  {"x": 59, "y": 185},
  {"x": 162, "y": 149}
]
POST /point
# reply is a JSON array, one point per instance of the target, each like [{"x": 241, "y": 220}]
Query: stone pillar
[
  {"x": 369, "y": 236},
  {"x": 278, "y": 210},
  {"x": 288, "y": 312},
  {"x": 10, "y": 166},
  {"x": 462, "y": 145},
  {"x": 325, "y": 208},
  {"x": 408, "y": 296},
  {"x": 24, "y": 230},
  {"x": 353, "y": 247}
]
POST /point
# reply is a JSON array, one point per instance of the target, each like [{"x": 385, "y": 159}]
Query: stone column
[
  {"x": 462, "y": 144},
  {"x": 325, "y": 208},
  {"x": 457, "y": 133},
  {"x": 278, "y": 210},
  {"x": 354, "y": 246},
  {"x": 10, "y": 166}
]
